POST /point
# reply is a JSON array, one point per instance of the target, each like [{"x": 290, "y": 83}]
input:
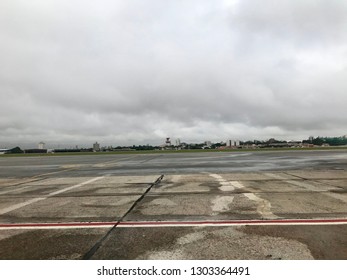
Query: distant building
[
  {"x": 208, "y": 143},
  {"x": 41, "y": 146},
  {"x": 35, "y": 151},
  {"x": 3, "y": 151},
  {"x": 178, "y": 142},
  {"x": 96, "y": 147},
  {"x": 233, "y": 143},
  {"x": 168, "y": 141}
]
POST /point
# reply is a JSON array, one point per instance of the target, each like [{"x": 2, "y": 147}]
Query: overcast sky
[{"x": 73, "y": 72}]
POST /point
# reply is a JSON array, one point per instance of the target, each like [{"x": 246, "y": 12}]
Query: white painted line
[
  {"x": 75, "y": 186},
  {"x": 29, "y": 180},
  {"x": 237, "y": 184},
  {"x": 226, "y": 185},
  {"x": 31, "y": 201},
  {"x": 20, "y": 205},
  {"x": 154, "y": 224},
  {"x": 264, "y": 206},
  {"x": 221, "y": 204}
]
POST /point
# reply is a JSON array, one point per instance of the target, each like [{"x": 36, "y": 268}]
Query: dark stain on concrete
[
  {"x": 326, "y": 242},
  {"x": 140, "y": 242},
  {"x": 49, "y": 244}
]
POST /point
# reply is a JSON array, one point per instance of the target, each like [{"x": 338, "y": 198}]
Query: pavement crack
[{"x": 99, "y": 243}]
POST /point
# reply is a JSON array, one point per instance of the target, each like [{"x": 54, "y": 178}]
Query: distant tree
[
  {"x": 335, "y": 141},
  {"x": 217, "y": 145},
  {"x": 196, "y": 146},
  {"x": 144, "y": 148},
  {"x": 16, "y": 150},
  {"x": 318, "y": 141}
]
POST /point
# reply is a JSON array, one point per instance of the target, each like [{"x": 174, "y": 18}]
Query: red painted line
[
  {"x": 76, "y": 224},
  {"x": 175, "y": 223},
  {"x": 231, "y": 222}
]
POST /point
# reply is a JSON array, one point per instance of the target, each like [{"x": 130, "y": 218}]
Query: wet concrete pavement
[{"x": 207, "y": 206}]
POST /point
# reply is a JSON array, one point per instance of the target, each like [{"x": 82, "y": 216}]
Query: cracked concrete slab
[{"x": 270, "y": 186}]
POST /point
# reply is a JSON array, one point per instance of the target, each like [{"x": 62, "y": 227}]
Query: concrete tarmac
[{"x": 242, "y": 205}]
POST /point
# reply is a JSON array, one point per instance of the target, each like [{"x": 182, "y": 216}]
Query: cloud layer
[{"x": 134, "y": 72}]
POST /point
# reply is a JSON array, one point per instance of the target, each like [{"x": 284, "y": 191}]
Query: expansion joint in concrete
[{"x": 99, "y": 243}]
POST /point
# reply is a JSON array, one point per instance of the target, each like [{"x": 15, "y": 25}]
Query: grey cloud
[
  {"x": 131, "y": 71},
  {"x": 301, "y": 23}
]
